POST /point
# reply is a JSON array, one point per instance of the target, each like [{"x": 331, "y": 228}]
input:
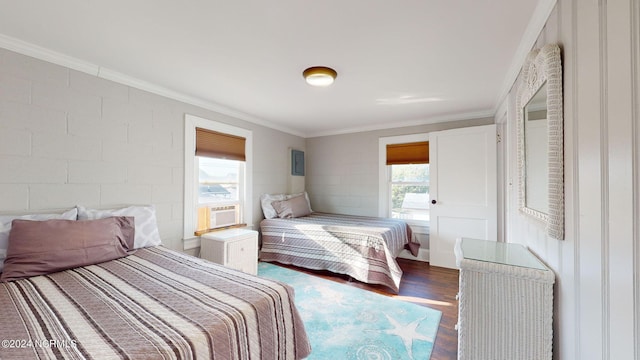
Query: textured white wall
[
  {"x": 68, "y": 138},
  {"x": 342, "y": 170},
  {"x": 597, "y": 293}
]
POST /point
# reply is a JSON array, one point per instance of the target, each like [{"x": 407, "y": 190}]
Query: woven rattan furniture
[{"x": 505, "y": 302}]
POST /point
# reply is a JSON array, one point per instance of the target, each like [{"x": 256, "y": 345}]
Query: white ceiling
[{"x": 399, "y": 62}]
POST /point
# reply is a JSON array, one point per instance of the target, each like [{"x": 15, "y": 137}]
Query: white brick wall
[
  {"x": 88, "y": 172},
  {"x": 28, "y": 68},
  {"x": 42, "y": 196},
  {"x": 343, "y": 177},
  {"x": 31, "y": 170},
  {"x": 88, "y": 84},
  {"x": 25, "y": 116},
  {"x": 97, "y": 128},
  {"x": 15, "y": 142},
  {"x": 68, "y": 138},
  {"x": 58, "y": 146},
  {"x": 14, "y": 197},
  {"x": 15, "y": 89},
  {"x": 63, "y": 98}
]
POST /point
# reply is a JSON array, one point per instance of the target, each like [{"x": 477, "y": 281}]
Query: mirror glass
[{"x": 536, "y": 144}]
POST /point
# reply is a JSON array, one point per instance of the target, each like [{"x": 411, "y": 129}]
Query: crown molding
[
  {"x": 394, "y": 125},
  {"x": 42, "y": 53},
  {"x": 533, "y": 30},
  {"x": 39, "y": 52}
]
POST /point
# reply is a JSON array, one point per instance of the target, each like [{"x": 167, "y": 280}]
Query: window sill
[
  {"x": 194, "y": 242},
  {"x": 202, "y": 232}
]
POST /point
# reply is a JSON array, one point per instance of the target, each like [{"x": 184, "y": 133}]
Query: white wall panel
[
  {"x": 619, "y": 117},
  {"x": 597, "y": 295}
]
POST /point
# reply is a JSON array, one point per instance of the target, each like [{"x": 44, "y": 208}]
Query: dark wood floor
[{"x": 424, "y": 285}]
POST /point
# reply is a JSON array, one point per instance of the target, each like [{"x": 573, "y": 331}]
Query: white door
[{"x": 463, "y": 189}]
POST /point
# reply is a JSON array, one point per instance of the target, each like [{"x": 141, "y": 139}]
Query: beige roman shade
[
  {"x": 408, "y": 153},
  {"x": 219, "y": 145}
]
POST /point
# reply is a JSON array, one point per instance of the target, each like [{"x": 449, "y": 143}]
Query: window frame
[
  {"x": 191, "y": 172},
  {"x": 384, "y": 173}
]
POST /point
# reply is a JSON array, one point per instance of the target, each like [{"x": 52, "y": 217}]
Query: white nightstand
[{"x": 235, "y": 248}]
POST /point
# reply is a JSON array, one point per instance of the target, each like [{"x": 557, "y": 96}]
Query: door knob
[{"x": 433, "y": 201}]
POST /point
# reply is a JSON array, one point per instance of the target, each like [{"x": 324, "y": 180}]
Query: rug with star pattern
[{"x": 344, "y": 322}]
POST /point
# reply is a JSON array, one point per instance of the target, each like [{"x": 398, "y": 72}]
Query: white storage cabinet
[
  {"x": 505, "y": 307},
  {"x": 234, "y": 248}
]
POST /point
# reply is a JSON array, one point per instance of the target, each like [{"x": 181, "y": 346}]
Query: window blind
[
  {"x": 408, "y": 153},
  {"x": 219, "y": 145}
]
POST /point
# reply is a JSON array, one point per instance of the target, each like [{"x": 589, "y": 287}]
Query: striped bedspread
[
  {"x": 362, "y": 247},
  {"x": 155, "y": 304}
]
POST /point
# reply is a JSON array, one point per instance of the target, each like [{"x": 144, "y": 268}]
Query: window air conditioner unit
[{"x": 224, "y": 216}]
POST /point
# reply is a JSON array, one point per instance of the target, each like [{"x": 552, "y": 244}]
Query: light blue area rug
[{"x": 344, "y": 322}]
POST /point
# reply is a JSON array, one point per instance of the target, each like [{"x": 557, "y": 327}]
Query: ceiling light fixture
[{"x": 319, "y": 75}]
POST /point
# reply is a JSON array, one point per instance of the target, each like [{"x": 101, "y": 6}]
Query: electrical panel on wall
[
  {"x": 295, "y": 179},
  {"x": 297, "y": 163}
]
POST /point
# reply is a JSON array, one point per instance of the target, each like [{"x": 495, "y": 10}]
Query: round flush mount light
[{"x": 319, "y": 75}]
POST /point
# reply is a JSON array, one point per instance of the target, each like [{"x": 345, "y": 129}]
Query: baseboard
[
  {"x": 192, "y": 243},
  {"x": 423, "y": 255}
]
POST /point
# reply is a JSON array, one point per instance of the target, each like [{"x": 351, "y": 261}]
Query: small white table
[
  {"x": 505, "y": 307},
  {"x": 234, "y": 248}
]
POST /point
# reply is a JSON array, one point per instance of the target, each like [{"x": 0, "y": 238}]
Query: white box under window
[{"x": 234, "y": 248}]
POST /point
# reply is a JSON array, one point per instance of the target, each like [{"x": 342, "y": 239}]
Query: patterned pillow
[
  {"x": 147, "y": 233},
  {"x": 5, "y": 227}
]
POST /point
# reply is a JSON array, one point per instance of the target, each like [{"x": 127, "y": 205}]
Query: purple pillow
[
  {"x": 43, "y": 247},
  {"x": 292, "y": 208}
]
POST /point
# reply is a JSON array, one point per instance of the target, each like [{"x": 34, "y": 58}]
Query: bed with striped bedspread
[
  {"x": 362, "y": 247},
  {"x": 154, "y": 304}
]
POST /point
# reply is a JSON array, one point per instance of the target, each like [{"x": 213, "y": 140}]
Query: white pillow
[
  {"x": 267, "y": 209},
  {"x": 5, "y": 227},
  {"x": 146, "y": 232}
]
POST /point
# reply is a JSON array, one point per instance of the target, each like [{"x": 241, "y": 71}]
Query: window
[
  {"x": 409, "y": 191},
  {"x": 404, "y": 177},
  {"x": 217, "y": 176},
  {"x": 220, "y": 184}
]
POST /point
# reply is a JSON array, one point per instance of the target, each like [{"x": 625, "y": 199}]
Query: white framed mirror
[{"x": 540, "y": 139}]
